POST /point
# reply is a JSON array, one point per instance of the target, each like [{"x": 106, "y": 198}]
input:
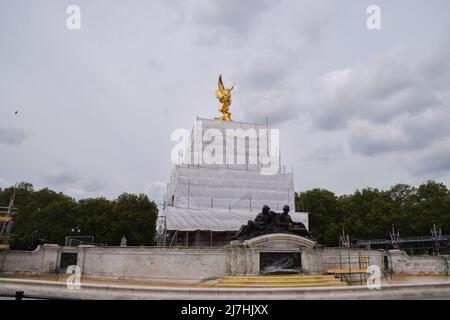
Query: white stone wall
[
  {"x": 196, "y": 264},
  {"x": 153, "y": 263},
  {"x": 417, "y": 265},
  {"x": 43, "y": 260}
]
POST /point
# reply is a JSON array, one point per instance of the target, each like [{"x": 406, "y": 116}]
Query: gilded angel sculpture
[{"x": 224, "y": 97}]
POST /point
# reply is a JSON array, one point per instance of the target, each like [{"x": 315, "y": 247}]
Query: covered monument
[{"x": 207, "y": 202}]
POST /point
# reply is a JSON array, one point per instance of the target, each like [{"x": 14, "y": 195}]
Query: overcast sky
[{"x": 96, "y": 106}]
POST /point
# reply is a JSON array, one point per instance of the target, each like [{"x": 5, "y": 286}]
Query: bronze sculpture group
[{"x": 267, "y": 222}]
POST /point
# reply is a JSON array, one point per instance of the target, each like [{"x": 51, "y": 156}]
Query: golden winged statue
[{"x": 224, "y": 97}]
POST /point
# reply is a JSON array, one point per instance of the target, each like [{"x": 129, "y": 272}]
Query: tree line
[
  {"x": 370, "y": 213},
  {"x": 366, "y": 214},
  {"x": 54, "y": 215}
]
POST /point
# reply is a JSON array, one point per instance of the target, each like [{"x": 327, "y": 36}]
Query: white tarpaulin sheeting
[
  {"x": 183, "y": 219},
  {"x": 206, "y": 187},
  {"x": 222, "y": 197}
]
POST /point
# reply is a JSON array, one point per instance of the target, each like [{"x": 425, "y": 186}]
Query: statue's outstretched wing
[{"x": 221, "y": 86}]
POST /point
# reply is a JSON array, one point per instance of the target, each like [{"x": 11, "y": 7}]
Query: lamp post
[{"x": 75, "y": 230}]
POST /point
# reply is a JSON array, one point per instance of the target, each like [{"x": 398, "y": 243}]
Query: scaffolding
[
  {"x": 436, "y": 236},
  {"x": 434, "y": 244},
  {"x": 197, "y": 238},
  {"x": 349, "y": 267},
  {"x": 6, "y": 220},
  {"x": 395, "y": 239}
]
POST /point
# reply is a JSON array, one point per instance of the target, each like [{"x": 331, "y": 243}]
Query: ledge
[{"x": 289, "y": 240}]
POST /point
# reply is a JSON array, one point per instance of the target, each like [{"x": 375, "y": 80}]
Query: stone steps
[
  {"x": 280, "y": 281},
  {"x": 278, "y": 278},
  {"x": 290, "y": 285}
]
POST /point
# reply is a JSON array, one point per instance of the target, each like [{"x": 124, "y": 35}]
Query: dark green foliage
[
  {"x": 369, "y": 213},
  {"x": 54, "y": 215}
]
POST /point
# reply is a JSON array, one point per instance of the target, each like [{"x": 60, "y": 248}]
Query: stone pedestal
[{"x": 272, "y": 253}]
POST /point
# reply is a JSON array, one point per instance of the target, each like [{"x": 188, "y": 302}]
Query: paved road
[{"x": 434, "y": 298}]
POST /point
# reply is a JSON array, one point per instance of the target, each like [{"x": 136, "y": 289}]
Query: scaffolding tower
[
  {"x": 351, "y": 266},
  {"x": 436, "y": 236},
  {"x": 6, "y": 219},
  {"x": 395, "y": 239}
]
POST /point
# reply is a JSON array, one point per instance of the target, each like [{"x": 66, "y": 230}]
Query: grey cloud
[
  {"x": 434, "y": 161},
  {"x": 429, "y": 128},
  {"x": 435, "y": 67},
  {"x": 59, "y": 176},
  {"x": 411, "y": 101},
  {"x": 156, "y": 190},
  {"x": 369, "y": 143},
  {"x": 277, "y": 24},
  {"x": 313, "y": 24},
  {"x": 377, "y": 92},
  {"x": 439, "y": 162},
  {"x": 81, "y": 189},
  {"x": 107, "y": 96},
  {"x": 326, "y": 153},
  {"x": 385, "y": 77},
  {"x": 79, "y": 193},
  {"x": 94, "y": 186},
  {"x": 268, "y": 85},
  {"x": 276, "y": 105},
  {"x": 386, "y": 106},
  {"x": 408, "y": 133},
  {"x": 12, "y": 136},
  {"x": 264, "y": 71},
  {"x": 4, "y": 183},
  {"x": 283, "y": 112},
  {"x": 232, "y": 17},
  {"x": 155, "y": 64}
]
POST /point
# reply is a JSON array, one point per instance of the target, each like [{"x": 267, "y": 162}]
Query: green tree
[
  {"x": 370, "y": 213},
  {"x": 54, "y": 215},
  {"x": 325, "y": 214}
]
